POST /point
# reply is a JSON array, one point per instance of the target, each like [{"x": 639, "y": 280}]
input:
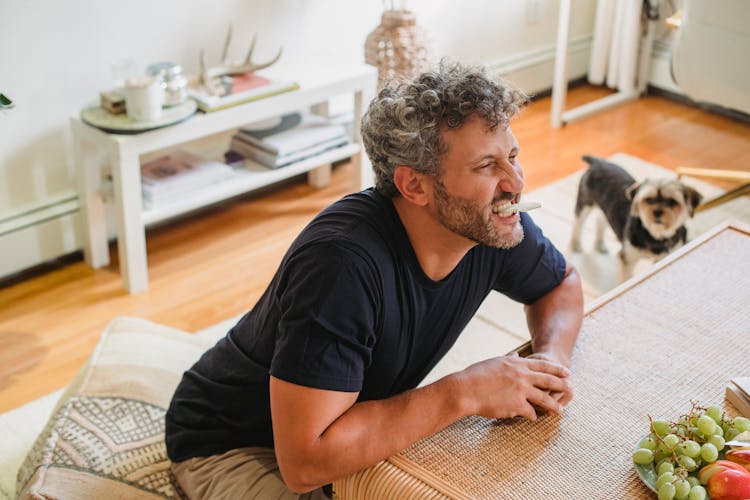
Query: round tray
[{"x": 98, "y": 117}]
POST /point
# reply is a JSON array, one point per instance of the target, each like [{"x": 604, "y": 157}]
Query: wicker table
[{"x": 651, "y": 346}]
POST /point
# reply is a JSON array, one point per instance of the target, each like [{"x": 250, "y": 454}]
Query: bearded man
[{"x": 321, "y": 378}]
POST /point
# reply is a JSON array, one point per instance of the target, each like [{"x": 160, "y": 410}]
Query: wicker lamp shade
[{"x": 397, "y": 47}]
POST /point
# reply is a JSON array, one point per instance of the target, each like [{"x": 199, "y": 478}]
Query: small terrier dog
[{"x": 647, "y": 217}]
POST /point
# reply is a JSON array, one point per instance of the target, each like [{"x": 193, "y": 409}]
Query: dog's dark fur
[{"x": 647, "y": 217}]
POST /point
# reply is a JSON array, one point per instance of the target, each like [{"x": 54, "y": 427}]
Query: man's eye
[{"x": 513, "y": 158}]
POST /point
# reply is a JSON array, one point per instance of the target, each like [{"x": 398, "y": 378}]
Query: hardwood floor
[{"x": 215, "y": 264}]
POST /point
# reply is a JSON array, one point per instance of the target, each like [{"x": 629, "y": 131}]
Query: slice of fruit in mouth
[{"x": 523, "y": 206}]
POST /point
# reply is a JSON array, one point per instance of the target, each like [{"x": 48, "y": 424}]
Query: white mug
[{"x": 143, "y": 98}]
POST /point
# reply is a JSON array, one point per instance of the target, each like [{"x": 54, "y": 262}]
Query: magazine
[
  {"x": 178, "y": 172},
  {"x": 268, "y": 159},
  {"x": 240, "y": 89},
  {"x": 291, "y": 133}
]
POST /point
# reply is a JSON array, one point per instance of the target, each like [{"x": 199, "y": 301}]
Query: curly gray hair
[{"x": 403, "y": 123}]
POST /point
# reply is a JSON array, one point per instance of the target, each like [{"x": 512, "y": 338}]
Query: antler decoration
[{"x": 208, "y": 75}]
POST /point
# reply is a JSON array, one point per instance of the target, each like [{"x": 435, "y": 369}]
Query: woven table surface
[{"x": 649, "y": 347}]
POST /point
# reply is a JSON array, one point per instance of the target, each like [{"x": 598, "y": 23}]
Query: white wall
[{"x": 55, "y": 56}]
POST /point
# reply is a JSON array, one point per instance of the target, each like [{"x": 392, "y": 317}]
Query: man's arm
[
  {"x": 321, "y": 435},
  {"x": 554, "y": 321}
]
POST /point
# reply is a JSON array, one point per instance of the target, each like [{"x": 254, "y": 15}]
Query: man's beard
[{"x": 467, "y": 219}]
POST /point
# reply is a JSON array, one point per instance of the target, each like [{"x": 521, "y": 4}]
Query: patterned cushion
[{"x": 105, "y": 438}]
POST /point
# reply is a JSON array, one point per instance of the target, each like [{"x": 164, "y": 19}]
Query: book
[
  {"x": 291, "y": 133},
  {"x": 271, "y": 160},
  {"x": 240, "y": 89},
  {"x": 738, "y": 393},
  {"x": 172, "y": 175}
]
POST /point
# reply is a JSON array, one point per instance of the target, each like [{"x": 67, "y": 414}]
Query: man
[{"x": 319, "y": 380}]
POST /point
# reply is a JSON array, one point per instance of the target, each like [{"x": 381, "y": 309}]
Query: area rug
[{"x": 498, "y": 327}]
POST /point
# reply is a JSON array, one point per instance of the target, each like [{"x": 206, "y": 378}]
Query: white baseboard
[
  {"x": 533, "y": 71},
  {"x": 39, "y": 242},
  {"x": 39, "y": 232}
]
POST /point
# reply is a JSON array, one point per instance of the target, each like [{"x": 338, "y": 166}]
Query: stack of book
[
  {"x": 738, "y": 393},
  {"x": 239, "y": 89},
  {"x": 289, "y": 139},
  {"x": 174, "y": 176}
]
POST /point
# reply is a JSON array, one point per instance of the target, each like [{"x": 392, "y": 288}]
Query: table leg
[
  {"x": 364, "y": 176},
  {"x": 560, "y": 82},
  {"x": 320, "y": 177},
  {"x": 131, "y": 234},
  {"x": 91, "y": 202}
]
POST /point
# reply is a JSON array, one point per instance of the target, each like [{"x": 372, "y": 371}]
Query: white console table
[{"x": 97, "y": 152}]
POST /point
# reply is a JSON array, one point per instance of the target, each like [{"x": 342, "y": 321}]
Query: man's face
[{"x": 479, "y": 170}]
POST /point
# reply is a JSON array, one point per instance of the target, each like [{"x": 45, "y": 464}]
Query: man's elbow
[
  {"x": 300, "y": 478},
  {"x": 572, "y": 281}
]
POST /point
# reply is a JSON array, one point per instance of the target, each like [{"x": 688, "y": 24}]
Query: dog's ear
[
  {"x": 630, "y": 194},
  {"x": 632, "y": 189},
  {"x": 693, "y": 198}
]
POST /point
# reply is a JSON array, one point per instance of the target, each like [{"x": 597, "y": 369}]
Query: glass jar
[{"x": 173, "y": 82}]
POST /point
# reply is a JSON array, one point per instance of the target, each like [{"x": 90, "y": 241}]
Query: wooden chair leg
[{"x": 729, "y": 195}]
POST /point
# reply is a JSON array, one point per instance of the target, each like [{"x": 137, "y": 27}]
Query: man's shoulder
[{"x": 364, "y": 219}]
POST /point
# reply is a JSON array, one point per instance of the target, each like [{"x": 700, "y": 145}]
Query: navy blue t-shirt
[{"x": 349, "y": 309}]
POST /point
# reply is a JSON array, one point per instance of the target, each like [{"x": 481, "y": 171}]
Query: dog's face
[{"x": 663, "y": 205}]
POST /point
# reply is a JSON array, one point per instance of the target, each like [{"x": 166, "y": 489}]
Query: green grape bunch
[{"x": 677, "y": 450}]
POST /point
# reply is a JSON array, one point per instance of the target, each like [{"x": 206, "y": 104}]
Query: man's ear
[{"x": 411, "y": 185}]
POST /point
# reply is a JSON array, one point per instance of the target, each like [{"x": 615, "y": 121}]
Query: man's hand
[
  {"x": 562, "y": 397},
  {"x": 511, "y": 386}
]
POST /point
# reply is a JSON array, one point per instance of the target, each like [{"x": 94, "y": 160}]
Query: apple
[
  {"x": 709, "y": 470},
  {"x": 729, "y": 484},
  {"x": 741, "y": 457}
]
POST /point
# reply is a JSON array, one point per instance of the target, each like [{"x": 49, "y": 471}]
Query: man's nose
[{"x": 513, "y": 181}]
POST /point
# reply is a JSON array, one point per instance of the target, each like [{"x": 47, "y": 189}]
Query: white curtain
[{"x": 615, "y": 48}]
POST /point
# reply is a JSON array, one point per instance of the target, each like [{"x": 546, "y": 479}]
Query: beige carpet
[{"x": 498, "y": 327}]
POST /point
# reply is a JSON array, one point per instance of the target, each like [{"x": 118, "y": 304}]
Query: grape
[
  {"x": 709, "y": 453},
  {"x": 661, "y": 427},
  {"x": 706, "y": 425},
  {"x": 742, "y": 424},
  {"x": 643, "y": 456},
  {"x": 693, "y": 481},
  {"x": 690, "y": 448},
  {"x": 666, "y": 477},
  {"x": 715, "y": 412},
  {"x": 660, "y": 456},
  {"x": 687, "y": 462},
  {"x": 697, "y": 492},
  {"x": 731, "y": 433},
  {"x": 681, "y": 489},
  {"x": 669, "y": 443},
  {"x": 666, "y": 491},
  {"x": 648, "y": 442},
  {"x": 717, "y": 441},
  {"x": 663, "y": 467}
]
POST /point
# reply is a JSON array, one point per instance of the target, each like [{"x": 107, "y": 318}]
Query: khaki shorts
[{"x": 244, "y": 473}]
